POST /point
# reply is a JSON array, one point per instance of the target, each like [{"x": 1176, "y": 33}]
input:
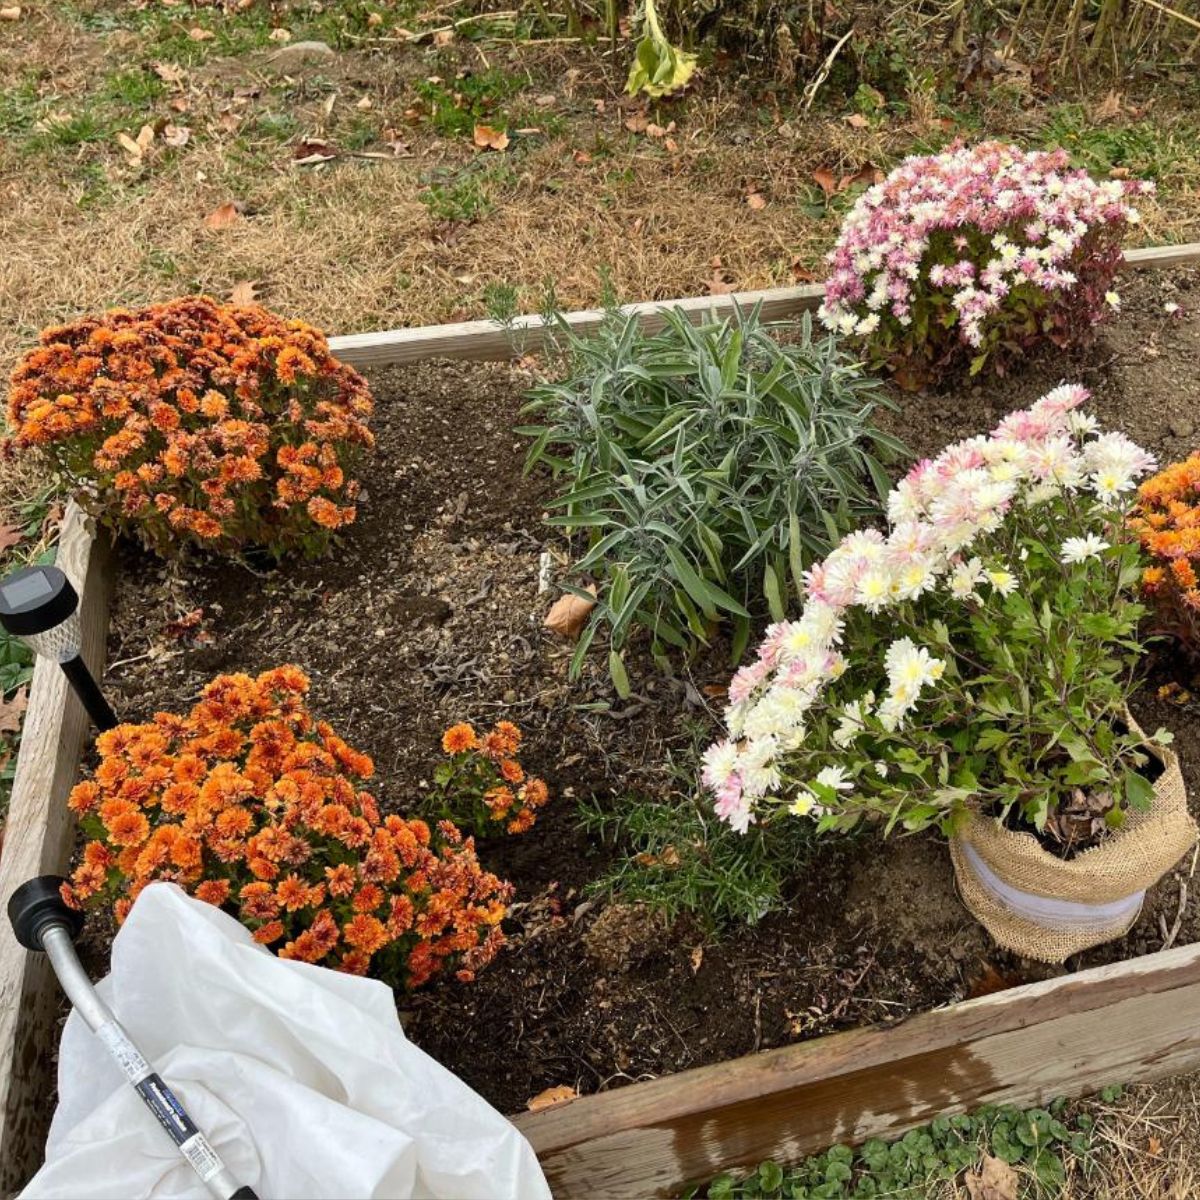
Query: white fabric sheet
[{"x": 300, "y": 1077}]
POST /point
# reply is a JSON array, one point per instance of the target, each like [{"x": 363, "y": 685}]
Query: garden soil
[{"x": 432, "y": 612}]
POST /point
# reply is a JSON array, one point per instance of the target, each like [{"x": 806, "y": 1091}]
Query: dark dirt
[{"x": 432, "y": 613}]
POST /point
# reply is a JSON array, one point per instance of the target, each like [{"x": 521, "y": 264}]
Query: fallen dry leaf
[
  {"x": 374, "y": 20},
  {"x": 1154, "y": 1146},
  {"x": 168, "y": 72},
  {"x": 10, "y": 535},
  {"x": 488, "y": 138},
  {"x": 1108, "y": 108},
  {"x": 10, "y": 14},
  {"x": 697, "y": 957},
  {"x": 11, "y": 710},
  {"x": 856, "y": 120},
  {"x": 224, "y": 215},
  {"x": 197, "y": 34},
  {"x": 281, "y": 35},
  {"x": 313, "y": 151},
  {"x": 136, "y": 147},
  {"x": 443, "y": 37},
  {"x": 995, "y": 1180},
  {"x": 176, "y": 135},
  {"x": 552, "y": 1096},
  {"x": 826, "y": 180},
  {"x": 365, "y": 103},
  {"x": 719, "y": 283},
  {"x": 569, "y": 613},
  {"x": 244, "y": 292},
  {"x": 582, "y": 158},
  {"x": 638, "y": 123},
  {"x": 756, "y": 200}
]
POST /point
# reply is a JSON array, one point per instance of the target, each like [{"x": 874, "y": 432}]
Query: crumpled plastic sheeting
[{"x": 300, "y": 1077}]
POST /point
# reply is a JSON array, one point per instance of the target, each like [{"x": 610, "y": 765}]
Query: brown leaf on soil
[
  {"x": 569, "y": 613},
  {"x": 244, "y": 292},
  {"x": 176, "y": 135},
  {"x": 197, "y": 34},
  {"x": 1109, "y": 107},
  {"x": 697, "y": 957},
  {"x": 443, "y": 37},
  {"x": 488, "y": 138},
  {"x": 995, "y": 1180},
  {"x": 856, "y": 120},
  {"x": 281, "y": 35},
  {"x": 11, "y": 710},
  {"x": 719, "y": 283},
  {"x": 1154, "y": 1146},
  {"x": 756, "y": 200},
  {"x": 168, "y": 72},
  {"x": 137, "y": 147},
  {"x": 990, "y": 980},
  {"x": 10, "y": 535},
  {"x": 224, "y": 215},
  {"x": 311, "y": 151},
  {"x": 10, "y": 14},
  {"x": 551, "y": 1096},
  {"x": 826, "y": 180},
  {"x": 638, "y": 123}
]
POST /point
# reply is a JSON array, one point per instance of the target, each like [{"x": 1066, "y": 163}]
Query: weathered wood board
[
  {"x": 487, "y": 340},
  {"x": 37, "y": 841},
  {"x": 1128, "y": 1022}
]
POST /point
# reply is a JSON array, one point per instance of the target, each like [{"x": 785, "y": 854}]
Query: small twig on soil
[
  {"x": 1169, "y": 938},
  {"x": 757, "y": 1021}
]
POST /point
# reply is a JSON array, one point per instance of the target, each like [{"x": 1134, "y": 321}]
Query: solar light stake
[
  {"x": 42, "y": 920},
  {"x": 39, "y": 605}
]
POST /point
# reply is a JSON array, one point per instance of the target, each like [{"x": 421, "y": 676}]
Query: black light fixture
[{"x": 39, "y": 605}]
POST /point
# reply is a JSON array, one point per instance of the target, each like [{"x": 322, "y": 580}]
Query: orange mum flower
[
  {"x": 366, "y": 933},
  {"x": 212, "y": 891},
  {"x": 458, "y": 739}
]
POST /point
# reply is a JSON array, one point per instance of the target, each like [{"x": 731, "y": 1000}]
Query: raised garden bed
[{"x": 432, "y": 613}]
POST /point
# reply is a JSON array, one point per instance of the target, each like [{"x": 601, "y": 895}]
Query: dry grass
[{"x": 1147, "y": 1145}]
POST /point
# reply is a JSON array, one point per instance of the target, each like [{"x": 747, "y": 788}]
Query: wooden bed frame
[{"x": 1128, "y": 1022}]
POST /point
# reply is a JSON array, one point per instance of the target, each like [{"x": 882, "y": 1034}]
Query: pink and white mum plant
[
  {"x": 981, "y": 251},
  {"x": 974, "y": 653}
]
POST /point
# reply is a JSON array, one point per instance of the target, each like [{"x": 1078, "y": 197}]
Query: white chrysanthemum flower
[
  {"x": 853, "y": 720},
  {"x": 965, "y": 577},
  {"x": 759, "y": 773},
  {"x": 804, "y": 805},
  {"x": 835, "y": 778},
  {"x": 720, "y": 761},
  {"x": 875, "y": 589},
  {"x": 1077, "y": 549},
  {"x": 1003, "y": 581}
]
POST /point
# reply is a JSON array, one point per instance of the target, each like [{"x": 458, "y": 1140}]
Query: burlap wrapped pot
[{"x": 1045, "y": 908}]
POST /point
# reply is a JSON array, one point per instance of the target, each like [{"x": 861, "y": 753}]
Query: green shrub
[{"x": 706, "y": 464}]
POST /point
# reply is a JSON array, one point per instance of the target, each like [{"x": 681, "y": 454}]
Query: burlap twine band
[{"x": 1045, "y": 908}]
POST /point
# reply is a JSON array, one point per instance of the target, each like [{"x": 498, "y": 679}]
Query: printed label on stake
[
  {"x": 206, "y": 1162},
  {"x": 129, "y": 1057},
  {"x": 160, "y": 1100}
]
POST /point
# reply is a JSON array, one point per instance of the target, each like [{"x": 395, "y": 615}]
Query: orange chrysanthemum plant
[
  {"x": 251, "y": 804},
  {"x": 1168, "y": 520},
  {"x": 482, "y": 786},
  {"x": 198, "y": 423}
]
